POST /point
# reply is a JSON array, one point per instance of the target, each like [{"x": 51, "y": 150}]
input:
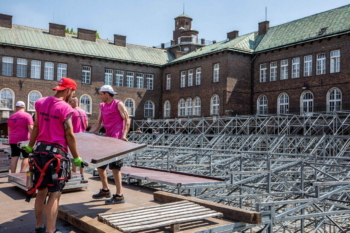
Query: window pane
[
  {"x": 48, "y": 72},
  {"x": 7, "y": 66},
  {"x": 108, "y": 77},
  {"x": 22, "y": 68},
  {"x": 149, "y": 81},
  {"x": 119, "y": 78},
  {"x": 61, "y": 71}
]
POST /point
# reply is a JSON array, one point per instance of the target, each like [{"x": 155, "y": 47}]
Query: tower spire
[{"x": 184, "y": 9}]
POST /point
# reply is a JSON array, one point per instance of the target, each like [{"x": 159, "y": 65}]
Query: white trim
[
  {"x": 167, "y": 109},
  {"x": 28, "y": 101},
  {"x": 307, "y": 104},
  {"x": 265, "y": 105},
  {"x": 131, "y": 111},
  {"x": 153, "y": 109},
  {"x": 284, "y": 104},
  {"x": 335, "y": 100},
  {"x": 215, "y": 111},
  {"x": 13, "y": 98},
  {"x": 88, "y": 111}
]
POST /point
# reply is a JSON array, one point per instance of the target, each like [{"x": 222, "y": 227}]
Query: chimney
[
  {"x": 57, "y": 29},
  {"x": 203, "y": 41},
  {"x": 119, "y": 40},
  {"x": 214, "y": 41},
  {"x": 162, "y": 45},
  {"x": 264, "y": 27},
  {"x": 5, "y": 21},
  {"x": 86, "y": 34},
  {"x": 232, "y": 35}
]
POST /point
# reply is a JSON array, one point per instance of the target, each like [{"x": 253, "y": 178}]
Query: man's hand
[
  {"x": 125, "y": 139},
  {"x": 27, "y": 149},
  {"x": 79, "y": 162}
]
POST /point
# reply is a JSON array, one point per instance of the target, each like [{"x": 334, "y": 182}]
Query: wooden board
[
  {"x": 157, "y": 216},
  {"x": 229, "y": 212}
]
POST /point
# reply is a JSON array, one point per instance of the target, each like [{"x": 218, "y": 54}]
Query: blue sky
[{"x": 151, "y": 22}]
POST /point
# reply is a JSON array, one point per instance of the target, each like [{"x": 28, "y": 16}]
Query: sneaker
[
  {"x": 102, "y": 194},
  {"x": 40, "y": 229},
  {"x": 57, "y": 231},
  {"x": 115, "y": 200}
]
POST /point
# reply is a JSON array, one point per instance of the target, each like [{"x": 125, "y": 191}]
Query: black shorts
[
  {"x": 115, "y": 165},
  {"x": 16, "y": 151},
  {"x": 53, "y": 188}
]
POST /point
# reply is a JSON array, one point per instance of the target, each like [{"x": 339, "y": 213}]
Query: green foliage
[
  {"x": 98, "y": 35},
  {"x": 71, "y": 31}
]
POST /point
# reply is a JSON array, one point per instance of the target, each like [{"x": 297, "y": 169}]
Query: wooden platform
[
  {"x": 4, "y": 161},
  {"x": 157, "y": 216}
]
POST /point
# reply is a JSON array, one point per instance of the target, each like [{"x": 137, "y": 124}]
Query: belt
[{"x": 51, "y": 148}]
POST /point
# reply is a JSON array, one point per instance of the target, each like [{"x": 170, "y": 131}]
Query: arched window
[
  {"x": 167, "y": 109},
  {"x": 86, "y": 103},
  {"x": 214, "y": 105},
  {"x": 130, "y": 106},
  {"x": 149, "y": 109},
  {"x": 189, "y": 107},
  {"x": 181, "y": 107},
  {"x": 283, "y": 103},
  {"x": 197, "y": 106},
  {"x": 307, "y": 103},
  {"x": 334, "y": 100},
  {"x": 7, "y": 98},
  {"x": 262, "y": 105},
  {"x": 32, "y": 98}
]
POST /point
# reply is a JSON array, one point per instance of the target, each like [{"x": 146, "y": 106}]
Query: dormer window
[{"x": 322, "y": 31}]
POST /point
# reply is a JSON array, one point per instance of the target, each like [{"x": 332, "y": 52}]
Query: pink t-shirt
[
  {"x": 79, "y": 119},
  {"x": 52, "y": 112},
  {"x": 112, "y": 120},
  {"x": 18, "y": 124}
]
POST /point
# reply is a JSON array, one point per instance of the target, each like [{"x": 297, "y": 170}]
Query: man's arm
[
  {"x": 70, "y": 137},
  {"x": 30, "y": 129},
  {"x": 124, "y": 114},
  {"x": 8, "y": 132},
  {"x": 35, "y": 131},
  {"x": 97, "y": 125}
]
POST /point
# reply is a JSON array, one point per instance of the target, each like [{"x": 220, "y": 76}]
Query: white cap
[
  {"x": 20, "y": 104},
  {"x": 109, "y": 89}
]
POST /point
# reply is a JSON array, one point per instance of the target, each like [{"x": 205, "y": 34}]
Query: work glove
[
  {"x": 27, "y": 149},
  {"x": 79, "y": 162}
]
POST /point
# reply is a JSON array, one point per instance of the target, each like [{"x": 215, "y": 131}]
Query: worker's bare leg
[
  {"x": 52, "y": 211},
  {"x": 39, "y": 207},
  {"x": 118, "y": 181},
  {"x": 103, "y": 176}
]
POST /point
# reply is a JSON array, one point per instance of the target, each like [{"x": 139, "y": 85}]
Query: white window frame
[
  {"x": 189, "y": 107},
  {"x": 130, "y": 79},
  {"x": 119, "y": 78},
  {"x": 139, "y": 81},
  {"x": 7, "y": 66},
  {"x": 86, "y": 75},
  {"x": 168, "y": 82},
  {"x": 284, "y": 69},
  {"x": 109, "y": 77},
  {"x": 31, "y": 100},
  {"x": 296, "y": 67},
  {"x": 181, "y": 108},
  {"x": 22, "y": 65},
  {"x": 61, "y": 71},
  {"x": 283, "y": 103},
  {"x": 273, "y": 71},
  {"x": 87, "y": 107},
  {"x": 307, "y": 65},
  {"x": 334, "y": 100},
  {"x": 263, "y": 71},
  {"x": 190, "y": 78},
  {"x": 321, "y": 64},
  {"x": 130, "y": 106},
  {"x": 198, "y": 76},
  {"x": 167, "y": 107},
  {"x": 335, "y": 61},
  {"x": 149, "y": 81},
  {"x": 147, "y": 108},
  {"x": 11, "y": 102},
  {"x": 216, "y": 72},
  {"x": 214, "y": 105},
  {"x": 49, "y": 68},
  {"x": 262, "y": 105},
  {"x": 183, "y": 79},
  {"x": 306, "y": 105},
  {"x": 197, "y": 106},
  {"x": 35, "y": 71}
]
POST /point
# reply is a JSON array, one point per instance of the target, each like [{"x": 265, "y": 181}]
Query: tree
[{"x": 98, "y": 35}]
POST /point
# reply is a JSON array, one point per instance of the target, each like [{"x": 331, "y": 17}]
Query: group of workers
[{"x": 56, "y": 119}]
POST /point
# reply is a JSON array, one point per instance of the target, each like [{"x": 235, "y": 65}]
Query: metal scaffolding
[{"x": 293, "y": 169}]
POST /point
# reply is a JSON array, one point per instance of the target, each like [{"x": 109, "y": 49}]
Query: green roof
[
  {"x": 41, "y": 39},
  {"x": 183, "y": 16},
  {"x": 308, "y": 28}
]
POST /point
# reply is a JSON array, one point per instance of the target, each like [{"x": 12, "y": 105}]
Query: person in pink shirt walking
[
  {"x": 115, "y": 118},
  {"x": 20, "y": 126},
  {"x": 80, "y": 123}
]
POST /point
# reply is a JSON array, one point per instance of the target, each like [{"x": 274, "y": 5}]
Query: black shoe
[
  {"x": 40, "y": 229},
  {"x": 102, "y": 194},
  {"x": 115, "y": 200}
]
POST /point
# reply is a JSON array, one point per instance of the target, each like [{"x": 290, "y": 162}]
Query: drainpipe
[{"x": 252, "y": 85}]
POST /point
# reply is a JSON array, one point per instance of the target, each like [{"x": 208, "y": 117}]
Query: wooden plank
[{"x": 229, "y": 212}]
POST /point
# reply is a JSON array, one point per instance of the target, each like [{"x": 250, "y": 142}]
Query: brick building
[{"x": 297, "y": 67}]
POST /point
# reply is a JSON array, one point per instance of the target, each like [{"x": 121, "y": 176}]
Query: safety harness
[{"x": 50, "y": 166}]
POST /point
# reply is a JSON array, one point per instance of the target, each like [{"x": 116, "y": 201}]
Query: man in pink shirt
[
  {"x": 53, "y": 135},
  {"x": 114, "y": 117},
  {"x": 20, "y": 126},
  {"x": 80, "y": 123}
]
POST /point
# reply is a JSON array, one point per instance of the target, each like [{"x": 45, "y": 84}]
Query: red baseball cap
[{"x": 65, "y": 83}]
